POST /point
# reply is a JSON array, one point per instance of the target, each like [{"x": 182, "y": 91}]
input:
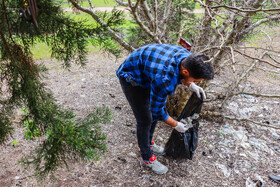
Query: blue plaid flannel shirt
[{"x": 155, "y": 66}]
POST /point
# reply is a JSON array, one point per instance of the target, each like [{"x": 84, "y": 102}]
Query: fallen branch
[
  {"x": 258, "y": 95},
  {"x": 276, "y": 61}
]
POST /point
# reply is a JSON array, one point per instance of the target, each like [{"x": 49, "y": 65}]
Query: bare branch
[
  {"x": 155, "y": 8},
  {"x": 244, "y": 10},
  {"x": 261, "y": 48},
  {"x": 90, "y": 4},
  {"x": 140, "y": 23},
  {"x": 272, "y": 18},
  {"x": 101, "y": 22},
  {"x": 273, "y": 58},
  {"x": 229, "y": 92},
  {"x": 167, "y": 12},
  {"x": 259, "y": 95},
  {"x": 232, "y": 57},
  {"x": 255, "y": 58},
  {"x": 148, "y": 15},
  {"x": 180, "y": 32}
]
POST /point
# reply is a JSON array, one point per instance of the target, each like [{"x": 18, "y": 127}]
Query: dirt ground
[{"x": 230, "y": 152}]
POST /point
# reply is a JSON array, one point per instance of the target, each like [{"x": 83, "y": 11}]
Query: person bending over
[{"x": 147, "y": 77}]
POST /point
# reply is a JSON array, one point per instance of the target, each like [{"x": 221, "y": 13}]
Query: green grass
[
  {"x": 41, "y": 51},
  {"x": 78, "y": 16}
]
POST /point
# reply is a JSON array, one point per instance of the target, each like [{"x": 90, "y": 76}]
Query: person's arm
[
  {"x": 177, "y": 125},
  {"x": 170, "y": 121}
]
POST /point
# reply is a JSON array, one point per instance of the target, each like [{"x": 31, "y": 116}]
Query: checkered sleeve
[{"x": 159, "y": 92}]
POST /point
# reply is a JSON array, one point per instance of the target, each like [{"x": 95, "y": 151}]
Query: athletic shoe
[
  {"x": 157, "y": 150},
  {"x": 155, "y": 165}
]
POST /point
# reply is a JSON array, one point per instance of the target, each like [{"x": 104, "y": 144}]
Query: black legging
[{"x": 139, "y": 100}]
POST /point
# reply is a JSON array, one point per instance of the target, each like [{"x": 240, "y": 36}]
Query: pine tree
[{"x": 23, "y": 23}]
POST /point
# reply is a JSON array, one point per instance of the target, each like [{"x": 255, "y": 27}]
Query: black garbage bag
[{"x": 183, "y": 145}]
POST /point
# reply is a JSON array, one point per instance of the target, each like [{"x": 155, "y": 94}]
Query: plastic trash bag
[{"x": 183, "y": 145}]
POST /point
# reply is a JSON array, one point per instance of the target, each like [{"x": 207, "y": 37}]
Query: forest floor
[{"x": 230, "y": 152}]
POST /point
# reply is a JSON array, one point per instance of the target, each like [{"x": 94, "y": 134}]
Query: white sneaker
[
  {"x": 157, "y": 150},
  {"x": 155, "y": 165}
]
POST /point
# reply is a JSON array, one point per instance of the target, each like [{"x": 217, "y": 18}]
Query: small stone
[
  {"x": 118, "y": 108},
  {"x": 112, "y": 95},
  {"x": 231, "y": 165},
  {"x": 128, "y": 124},
  {"x": 122, "y": 159},
  {"x": 204, "y": 153},
  {"x": 132, "y": 154},
  {"x": 223, "y": 169}
]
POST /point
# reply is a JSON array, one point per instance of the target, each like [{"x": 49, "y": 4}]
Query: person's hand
[
  {"x": 194, "y": 88},
  {"x": 181, "y": 127}
]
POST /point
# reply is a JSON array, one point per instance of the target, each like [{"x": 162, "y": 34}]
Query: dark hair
[{"x": 197, "y": 67}]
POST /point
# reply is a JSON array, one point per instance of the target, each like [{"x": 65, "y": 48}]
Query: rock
[
  {"x": 243, "y": 154},
  {"x": 275, "y": 135},
  {"x": 204, "y": 153},
  {"x": 231, "y": 165},
  {"x": 259, "y": 144},
  {"x": 253, "y": 155},
  {"x": 249, "y": 183},
  {"x": 223, "y": 169},
  {"x": 132, "y": 155}
]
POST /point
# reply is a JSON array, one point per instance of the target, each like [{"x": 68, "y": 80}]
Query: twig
[
  {"x": 233, "y": 60},
  {"x": 243, "y": 10},
  {"x": 258, "y": 95},
  {"x": 262, "y": 68},
  {"x": 140, "y": 23},
  {"x": 238, "y": 81},
  {"x": 90, "y": 4},
  {"x": 273, "y": 58},
  {"x": 266, "y": 35},
  {"x": 181, "y": 32},
  {"x": 245, "y": 47},
  {"x": 155, "y": 8},
  {"x": 146, "y": 11},
  {"x": 101, "y": 22},
  {"x": 255, "y": 58}
]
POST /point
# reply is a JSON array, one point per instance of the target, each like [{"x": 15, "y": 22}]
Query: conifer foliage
[{"x": 62, "y": 136}]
